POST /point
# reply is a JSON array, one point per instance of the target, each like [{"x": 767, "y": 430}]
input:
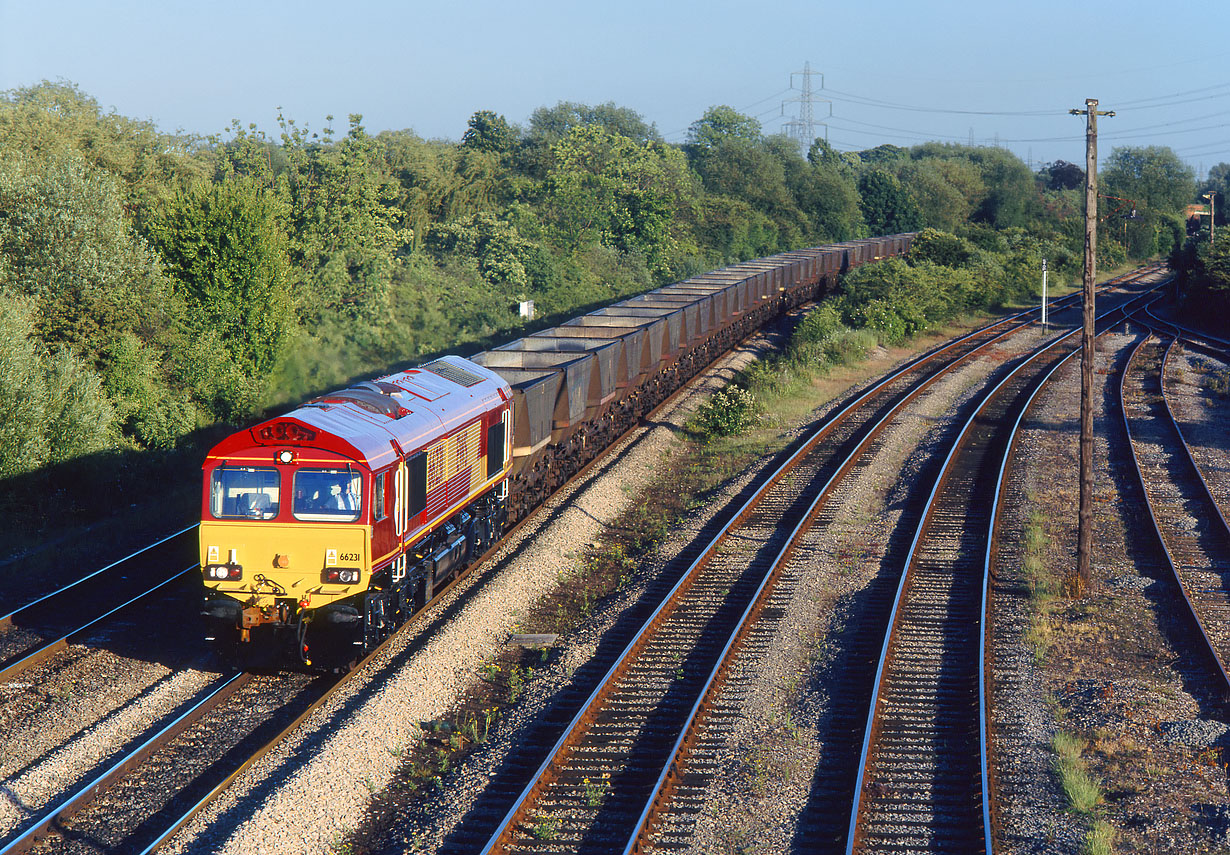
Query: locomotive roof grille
[{"x": 456, "y": 373}]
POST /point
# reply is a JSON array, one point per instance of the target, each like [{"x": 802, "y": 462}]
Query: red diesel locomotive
[{"x": 323, "y": 529}]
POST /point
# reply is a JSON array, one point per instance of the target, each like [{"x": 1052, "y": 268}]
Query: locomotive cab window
[
  {"x": 378, "y": 511},
  {"x": 249, "y": 493},
  {"x": 327, "y": 495}
]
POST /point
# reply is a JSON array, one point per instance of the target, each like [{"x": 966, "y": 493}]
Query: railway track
[
  {"x": 62, "y": 822},
  {"x": 1189, "y": 524},
  {"x": 32, "y": 633},
  {"x": 923, "y": 781},
  {"x": 589, "y": 793}
]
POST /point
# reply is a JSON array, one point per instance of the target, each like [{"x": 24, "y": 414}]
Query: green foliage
[
  {"x": 23, "y": 444},
  {"x": 822, "y": 340},
  {"x": 489, "y": 131},
  {"x": 1204, "y": 279},
  {"x": 51, "y": 120},
  {"x": 1078, "y": 785},
  {"x": 66, "y": 242},
  {"x": 728, "y": 412},
  {"x": 56, "y": 410},
  {"x": 79, "y": 417},
  {"x": 941, "y": 248},
  {"x": 224, "y": 246},
  {"x": 344, "y": 227},
  {"x": 1153, "y": 176},
  {"x": 182, "y": 281},
  {"x": 606, "y": 188},
  {"x": 496, "y": 247},
  {"x": 721, "y": 125},
  {"x": 147, "y": 407},
  {"x": 887, "y": 207}
]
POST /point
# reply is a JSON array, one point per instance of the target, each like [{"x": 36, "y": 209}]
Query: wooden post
[{"x": 1084, "y": 545}]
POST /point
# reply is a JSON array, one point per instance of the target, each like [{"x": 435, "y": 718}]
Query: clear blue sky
[{"x": 195, "y": 66}]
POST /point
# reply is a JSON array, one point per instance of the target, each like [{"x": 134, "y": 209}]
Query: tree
[
  {"x": 941, "y": 189},
  {"x": 823, "y": 155},
  {"x": 551, "y": 124},
  {"x": 66, "y": 243},
  {"x": 224, "y": 246},
  {"x": 883, "y": 155},
  {"x": 488, "y": 131},
  {"x": 609, "y": 189},
  {"x": 344, "y": 226},
  {"x": 1011, "y": 198},
  {"x": 887, "y": 207},
  {"x": 721, "y": 124},
  {"x": 941, "y": 248},
  {"x": 1062, "y": 175},
  {"x": 49, "y": 120},
  {"x": 1153, "y": 176}
]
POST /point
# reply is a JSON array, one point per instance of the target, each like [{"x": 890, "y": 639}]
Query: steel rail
[
  {"x": 1192, "y": 612},
  {"x": 672, "y": 769},
  {"x": 983, "y": 690},
  {"x": 78, "y": 800},
  {"x": 869, "y": 729},
  {"x": 83, "y": 795},
  {"x": 274, "y": 741},
  {"x": 42, "y": 653},
  {"x": 185, "y": 721},
  {"x": 1187, "y": 449},
  {"x": 511, "y": 816},
  {"x": 1190, "y": 333},
  {"x": 6, "y": 620},
  {"x": 195, "y": 809}
]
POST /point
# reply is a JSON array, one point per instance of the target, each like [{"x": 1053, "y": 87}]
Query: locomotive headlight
[
  {"x": 223, "y": 572},
  {"x": 286, "y": 456},
  {"x": 341, "y": 576}
]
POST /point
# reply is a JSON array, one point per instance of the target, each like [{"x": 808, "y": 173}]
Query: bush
[{"x": 728, "y": 412}]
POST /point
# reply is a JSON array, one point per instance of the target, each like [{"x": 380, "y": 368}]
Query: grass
[
  {"x": 1083, "y": 793},
  {"x": 1101, "y": 839},
  {"x": 1044, "y": 587}
]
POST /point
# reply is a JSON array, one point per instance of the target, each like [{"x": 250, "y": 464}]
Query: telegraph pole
[{"x": 1084, "y": 545}]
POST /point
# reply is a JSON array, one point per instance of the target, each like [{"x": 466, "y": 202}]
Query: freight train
[{"x": 323, "y": 529}]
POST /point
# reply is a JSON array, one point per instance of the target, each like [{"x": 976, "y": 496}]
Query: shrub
[{"x": 728, "y": 412}]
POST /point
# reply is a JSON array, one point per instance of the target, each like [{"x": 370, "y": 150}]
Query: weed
[
  {"x": 545, "y": 826},
  {"x": 517, "y": 678},
  {"x": 1078, "y": 785},
  {"x": 1100, "y": 840},
  {"x": 1219, "y": 384},
  {"x": 595, "y": 791}
]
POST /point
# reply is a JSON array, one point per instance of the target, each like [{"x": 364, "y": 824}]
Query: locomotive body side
[{"x": 323, "y": 529}]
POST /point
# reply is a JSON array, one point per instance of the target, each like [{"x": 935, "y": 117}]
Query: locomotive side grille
[
  {"x": 457, "y": 374},
  {"x": 436, "y": 476},
  {"x": 464, "y": 458}
]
